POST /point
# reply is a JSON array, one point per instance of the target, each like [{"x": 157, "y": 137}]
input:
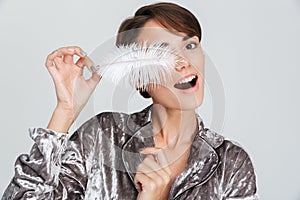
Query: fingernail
[
  {"x": 83, "y": 53},
  {"x": 53, "y": 52},
  {"x": 93, "y": 69}
]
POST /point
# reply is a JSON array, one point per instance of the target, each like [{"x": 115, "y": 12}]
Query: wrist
[{"x": 61, "y": 120}]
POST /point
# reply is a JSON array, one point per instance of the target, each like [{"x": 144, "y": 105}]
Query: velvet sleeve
[{"x": 55, "y": 168}]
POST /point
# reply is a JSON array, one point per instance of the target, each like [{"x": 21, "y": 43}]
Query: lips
[{"x": 187, "y": 82}]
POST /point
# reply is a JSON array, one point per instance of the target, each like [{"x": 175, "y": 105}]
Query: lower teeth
[{"x": 184, "y": 86}]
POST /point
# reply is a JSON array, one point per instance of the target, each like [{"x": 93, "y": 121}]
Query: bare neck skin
[{"x": 173, "y": 127}]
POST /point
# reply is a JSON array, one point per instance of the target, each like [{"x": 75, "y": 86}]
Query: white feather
[{"x": 141, "y": 66}]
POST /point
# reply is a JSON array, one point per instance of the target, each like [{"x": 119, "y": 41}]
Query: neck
[{"x": 173, "y": 126}]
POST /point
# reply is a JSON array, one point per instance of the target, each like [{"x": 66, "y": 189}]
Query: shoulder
[
  {"x": 234, "y": 161},
  {"x": 237, "y": 170},
  {"x": 111, "y": 123},
  {"x": 231, "y": 154},
  {"x": 105, "y": 120},
  {"x": 226, "y": 148},
  {"x": 98, "y": 125},
  {"x": 234, "y": 155}
]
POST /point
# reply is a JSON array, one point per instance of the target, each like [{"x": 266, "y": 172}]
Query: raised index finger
[
  {"x": 50, "y": 61},
  {"x": 158, "y": 155}
]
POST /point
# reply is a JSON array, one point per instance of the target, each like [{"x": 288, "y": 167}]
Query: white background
[{"x": 254, "y": 45}]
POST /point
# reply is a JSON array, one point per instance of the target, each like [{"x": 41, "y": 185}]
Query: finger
[
  {"x": 153, "y": 151},
  {"x": 152, "y": 175},
  {"x": 68, "y": 59},
  {"x": 71, "y": 50},
  {"x": 58, "y": 61},
  {"x": 137, "y": 183},
  {"x": 150, "y": 150},
  {"x": 94, "y": 80},
  {"x": 152, "y": 169},
  {"x": 161, "y": 162},
  {"x": 68, "y": 53},
  {"x": 160, "y": 177},
  {"x": 158, "y": 154},
  {"x": 145, "y": 174},
  {"x": 148, "y": 166},
  {"x": 80, "y": 62},
  {"x": 141, "y": 180},
  {"x": 50, "y": 65},
  {"x": 156, "y": 166},
  {"x": 85, "y": 61},
  {"x": 50, "y": 59},
  {"x": 153, "y": 166}
]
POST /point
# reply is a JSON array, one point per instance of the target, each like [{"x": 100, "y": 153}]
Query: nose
[{"x": 181, "y": 63}]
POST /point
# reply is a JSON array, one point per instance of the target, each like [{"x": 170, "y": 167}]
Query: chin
[
  {"x": 186, "y": 104},
  {"x": 191, "y": 102},
  {"x": 192, "y": 105},
  {"x": 177, "y": 100}
]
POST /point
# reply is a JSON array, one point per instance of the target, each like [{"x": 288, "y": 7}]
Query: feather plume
[{"x": 139, "y": 65}]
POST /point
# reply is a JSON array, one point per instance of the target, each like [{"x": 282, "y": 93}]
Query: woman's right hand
[{"x": 72, "y": 89}]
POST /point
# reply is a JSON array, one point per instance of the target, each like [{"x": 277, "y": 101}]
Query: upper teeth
[{"x": 186, "y": 80}]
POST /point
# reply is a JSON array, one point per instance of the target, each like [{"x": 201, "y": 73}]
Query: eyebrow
[
  {"x": 164, "y": 44},
  {"x": 186, "y": 38}
]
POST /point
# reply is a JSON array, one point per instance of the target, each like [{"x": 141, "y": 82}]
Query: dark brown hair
[{"x": 169, "y": 15}]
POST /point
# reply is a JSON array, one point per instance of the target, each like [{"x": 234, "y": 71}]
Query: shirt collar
[{"x": 202, "y": 162}]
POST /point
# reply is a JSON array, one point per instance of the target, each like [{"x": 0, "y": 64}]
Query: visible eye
[{"x": 191, "y": 45}]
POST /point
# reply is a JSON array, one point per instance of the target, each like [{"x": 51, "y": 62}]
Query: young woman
[{"x": 162, "y": 152}]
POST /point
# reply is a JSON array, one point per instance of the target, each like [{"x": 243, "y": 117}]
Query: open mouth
[{"x": 187, "y": 83}]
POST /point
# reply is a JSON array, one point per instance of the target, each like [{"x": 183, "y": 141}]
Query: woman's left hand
[{"x": 153, "y": 177}]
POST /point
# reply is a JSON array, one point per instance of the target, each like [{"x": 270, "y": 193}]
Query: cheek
[{"x": 196, "y": 59}]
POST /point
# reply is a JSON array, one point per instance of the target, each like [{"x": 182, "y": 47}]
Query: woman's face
[{"x": 186, "y": 89}]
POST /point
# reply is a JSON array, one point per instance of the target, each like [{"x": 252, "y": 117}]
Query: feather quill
[{"x": 140, "y": 65}]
